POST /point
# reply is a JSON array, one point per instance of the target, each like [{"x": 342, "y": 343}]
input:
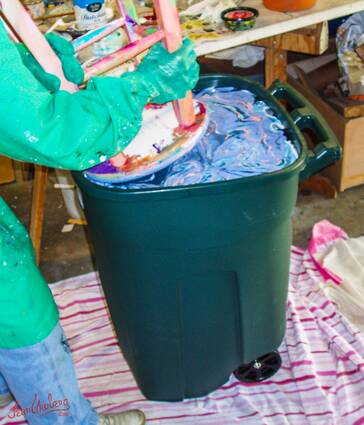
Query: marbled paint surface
[{"x": 243, "y": 139}]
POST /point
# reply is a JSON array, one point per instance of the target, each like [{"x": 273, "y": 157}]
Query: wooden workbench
[
  {"x": 280, "y": 32},
  {"x": 272, "y": 23}
]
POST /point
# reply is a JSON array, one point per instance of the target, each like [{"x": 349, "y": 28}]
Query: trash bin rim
[{"x": 295, "y": 168}]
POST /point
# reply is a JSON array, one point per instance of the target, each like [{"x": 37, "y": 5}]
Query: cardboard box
[{"x": 348, "y": 172}]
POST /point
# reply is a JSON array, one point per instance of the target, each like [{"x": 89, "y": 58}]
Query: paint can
[{"x": 90, "y": 14}]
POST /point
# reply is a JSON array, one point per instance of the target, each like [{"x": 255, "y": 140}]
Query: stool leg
[
  {"x": 168, "y": 20},
  {"x": 38, "y": 204}
]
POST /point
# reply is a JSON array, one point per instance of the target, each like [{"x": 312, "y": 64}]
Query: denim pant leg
[
  {"x": 42, "y": 379},
  {"x": 4, "y": 389}
]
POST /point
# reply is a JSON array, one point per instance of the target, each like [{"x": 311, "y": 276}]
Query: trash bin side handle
[{"x": 306, "y": 116}]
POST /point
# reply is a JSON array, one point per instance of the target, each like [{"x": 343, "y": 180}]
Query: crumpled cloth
[
  {"x": 209, "y": 10},
  {"x": 341, "y": 262},
  {"x": 243, "y": 56}
]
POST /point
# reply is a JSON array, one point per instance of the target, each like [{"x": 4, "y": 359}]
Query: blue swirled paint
[{"x": 243, "y": 139}]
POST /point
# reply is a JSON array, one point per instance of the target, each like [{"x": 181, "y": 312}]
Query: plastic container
[
  {"x": 289, "y": 5},
  {"x": 239, "y": 18},
  {"x": 196, "y": 277},
  {"x": 90, "y": 14}
]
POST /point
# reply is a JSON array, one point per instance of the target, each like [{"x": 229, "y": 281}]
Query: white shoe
[
  {"x": 5, "y": 399},
  {"x": 130, "y": 417}
]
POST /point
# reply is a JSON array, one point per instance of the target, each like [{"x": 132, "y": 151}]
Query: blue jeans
[{"x": 43, "y": 381}]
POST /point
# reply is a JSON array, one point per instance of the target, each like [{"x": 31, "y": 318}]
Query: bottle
[
  {"x": 289, "y": 5},
  {"x": 90, "y": 14}
]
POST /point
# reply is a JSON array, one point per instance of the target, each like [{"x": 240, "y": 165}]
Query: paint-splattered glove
[
  {"x": 66, "y": 53},
  {"x": 168, "y": 76},
  {"x": 75, "y": 130}
]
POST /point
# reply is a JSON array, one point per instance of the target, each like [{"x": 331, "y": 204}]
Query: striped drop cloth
[{"x": 321, "y": 380}]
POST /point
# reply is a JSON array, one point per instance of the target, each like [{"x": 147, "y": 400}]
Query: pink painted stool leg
[{"x": 168, "y": 20}]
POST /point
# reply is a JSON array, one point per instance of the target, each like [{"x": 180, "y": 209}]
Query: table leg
[
  {"x": 275, "y": 64},
  {"x": 38, "y": 204}
]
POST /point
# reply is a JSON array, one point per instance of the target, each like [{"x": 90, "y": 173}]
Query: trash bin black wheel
[{"x": 260, "y": 369}]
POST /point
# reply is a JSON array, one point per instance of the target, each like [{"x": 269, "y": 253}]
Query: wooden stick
[
  {"x": 38, "y": 204},
  {"x": 77, "y": 221}
]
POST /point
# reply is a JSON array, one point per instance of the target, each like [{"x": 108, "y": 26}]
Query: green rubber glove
[
  {"x": 79, "y": 130},
  {"x": 66, "y": 53},
  {"x": 169, "y": 76}
]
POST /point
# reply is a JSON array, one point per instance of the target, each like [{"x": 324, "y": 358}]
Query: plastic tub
[{"x": 196, "y": 277}]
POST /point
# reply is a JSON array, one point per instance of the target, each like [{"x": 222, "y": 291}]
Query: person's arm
[{"x": 77, "y": 131}]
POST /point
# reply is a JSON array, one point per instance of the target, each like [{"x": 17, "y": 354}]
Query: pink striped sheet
[{"x": 321, "y": 380}]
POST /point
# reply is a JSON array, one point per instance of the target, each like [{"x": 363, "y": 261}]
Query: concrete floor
[{"x": 69, "y": 254}]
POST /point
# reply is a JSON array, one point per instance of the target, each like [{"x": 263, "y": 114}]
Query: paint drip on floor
[{"x": 243, "y": 139}]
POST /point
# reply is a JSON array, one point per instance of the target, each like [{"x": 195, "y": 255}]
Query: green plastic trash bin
[{"x": 196, "y": 277}]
